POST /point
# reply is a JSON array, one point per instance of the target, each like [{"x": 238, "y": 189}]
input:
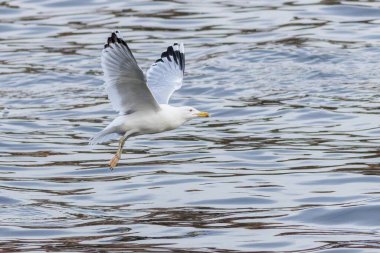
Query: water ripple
[{"x": 288, "y": 161}]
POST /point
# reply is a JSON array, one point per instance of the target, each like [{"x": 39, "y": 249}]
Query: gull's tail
[{"x": 103, "y": 136}]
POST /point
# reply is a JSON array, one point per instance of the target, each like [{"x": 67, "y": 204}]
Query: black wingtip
[
  {"x": 174, "y": 52},
  {"x": 166, "y": 55},
  {"x": 115, "y": 38}
]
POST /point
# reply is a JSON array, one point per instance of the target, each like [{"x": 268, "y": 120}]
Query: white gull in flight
[{"x": 142, "y": 103}]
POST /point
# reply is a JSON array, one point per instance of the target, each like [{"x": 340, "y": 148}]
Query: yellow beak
[{"x": 203, "y": 114}]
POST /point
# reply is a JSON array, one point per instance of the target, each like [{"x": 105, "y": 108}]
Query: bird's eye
[{"x": 191, "y": 110}]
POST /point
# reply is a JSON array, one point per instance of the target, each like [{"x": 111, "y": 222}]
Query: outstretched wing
[
  {"x": 125, "y": 82},
  {"x": 166, "y": 75}
]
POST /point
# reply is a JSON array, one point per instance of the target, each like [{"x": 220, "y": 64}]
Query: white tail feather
[{"x": 102, "y": 136}]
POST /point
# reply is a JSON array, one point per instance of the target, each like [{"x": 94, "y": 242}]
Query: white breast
[{"x": 167, "y": 118}]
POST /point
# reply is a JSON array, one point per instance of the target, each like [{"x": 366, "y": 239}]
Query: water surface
[{"x": 289, "y": 160}]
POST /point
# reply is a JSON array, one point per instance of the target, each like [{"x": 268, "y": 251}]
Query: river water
[{"x": 288, "y": 162}]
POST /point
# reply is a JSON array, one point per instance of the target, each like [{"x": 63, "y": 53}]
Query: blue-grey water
[{"x": 288, "y": 162}]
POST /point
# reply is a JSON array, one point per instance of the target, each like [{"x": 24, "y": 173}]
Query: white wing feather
[
  {"x": 125, "y": 82},
  {"x": 166, "y": 75}
]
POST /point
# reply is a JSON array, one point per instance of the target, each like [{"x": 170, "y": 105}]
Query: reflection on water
[{"x": 289, "y": 161}]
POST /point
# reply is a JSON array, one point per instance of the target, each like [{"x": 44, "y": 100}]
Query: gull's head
[{"x": 189, "y": 112}]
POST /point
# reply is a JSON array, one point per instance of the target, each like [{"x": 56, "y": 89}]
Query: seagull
[{"x": 142, "y": 103}]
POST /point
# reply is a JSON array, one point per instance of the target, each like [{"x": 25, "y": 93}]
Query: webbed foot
[{"x": 113, "y": 162}]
